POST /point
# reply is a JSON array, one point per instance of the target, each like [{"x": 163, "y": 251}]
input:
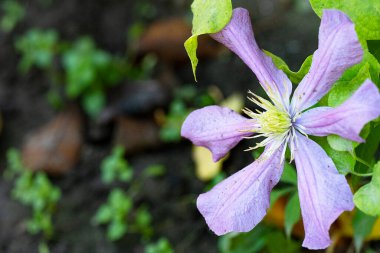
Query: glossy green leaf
[
  {"x": 209, "y": 17},
  {"x": 365, "y": 14},
  {"x": 292, "y": 213},
  {"x": 367, "y": 198},
  {"x": 295, "y": 77}
]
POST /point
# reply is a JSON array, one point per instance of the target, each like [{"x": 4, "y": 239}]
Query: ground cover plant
[{"x": 99, "y": 99}]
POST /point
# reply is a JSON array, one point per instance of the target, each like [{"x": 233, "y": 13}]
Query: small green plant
[
  {"x": 119, "y": 217},
  {"x": 161, "y": 246},
  {"x": 37, "y": 49},
  {"x": 89, "y": 71},
  {"x": 185, "y": 98},
  {"x": 115, "y": 167},
  {"x": 33, "y": 190},
  {"x": 13, "y": 13}
]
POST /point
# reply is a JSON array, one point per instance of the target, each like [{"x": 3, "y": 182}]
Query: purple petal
[
  {"x": 346, "y": 120},
  {"x": 238, "y": 37},
  {"x": 324, "y": 193},
  {"x": 338, "y": 49},
  {"x": 239, "y": 202},
  {"x": 217, "y": 128}
]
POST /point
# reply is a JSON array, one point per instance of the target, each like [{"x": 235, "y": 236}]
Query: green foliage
[
  {"x": 37, "y": 49},
  {"x": 209, "y": 17},
  {"x": 117, "y": 215},
  {"x": 115, "y": 167},
  {"x": 88, "y": 72},
  {"x": 261, "y": 239},
  {"x": 36, "y": 191},
  {"x": 365, "y": 14},
  {"x": 114, "y": 214},
  {"x": 353, "y": 78},
  {"x": 292, "y": 213},
  {"x": 362, "y": 225},
  {"x": 295, "y": 77},
  {"x": 343, "y": 160},
  {"x": 289, "y": 175},
  {"x": 154, "y": 170},
  {"x": 184, "y": 99},
  {"x": 13, "y": 13},
  {"x": 161, "y": 246},
  {"x": 171, "y": 130},
  {"x": 367, "y": 198}
]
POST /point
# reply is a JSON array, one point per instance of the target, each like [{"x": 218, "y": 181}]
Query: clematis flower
[{"x": 240, "y": 202}]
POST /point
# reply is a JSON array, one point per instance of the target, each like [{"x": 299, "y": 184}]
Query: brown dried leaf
[
  {"x": 55, "y": 147},
  {"x": 136, "y": 135}
]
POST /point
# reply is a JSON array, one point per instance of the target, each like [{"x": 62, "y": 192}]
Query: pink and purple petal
[
  {"x": 240, "y": 202},
  {"x": 217, "y": 128},
  {"x": 324, "y": 193},
  {"x": 346, "y": 120},
  {"x": 238, "y": 37},
  {"x": 338, "y": 49}
]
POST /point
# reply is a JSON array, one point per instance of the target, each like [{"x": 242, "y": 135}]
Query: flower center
[
  {"x": 274, "y": 124},
  {"x": 274, "y": 121}
]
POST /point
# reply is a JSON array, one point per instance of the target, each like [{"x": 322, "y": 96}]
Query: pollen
[{"x": 272, "y": 121}]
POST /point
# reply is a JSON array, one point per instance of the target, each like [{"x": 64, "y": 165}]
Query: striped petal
[
  {"x": 217, "y": 128},
  {"x": 338, "y": 49},
  {"x": 238, "y": 37}
]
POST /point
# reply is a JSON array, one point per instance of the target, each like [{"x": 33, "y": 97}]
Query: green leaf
[
  {"x": 295, "y": 77},
  {"x": 162, "y": 246},
  {"x": 94, "y": 102},
  {"x": 343, "y": 160},
  {"x": 292, "y": 213},
  {"x": 353, "y": 78},
  {"x": 366, "y": 152},
  {"x": 362, "y": 225},
  {"x": 277, "y": 193},
  {"x": 251, "y": 242},
  {"x": 103, "y": 215},
  {"x": 209, "y": 17},
  {"x": 116, "y": 230},
  {"x": 365, "y": 14},
  {"x": 289, "y": 175},
  {"x": 340, "y": 144},
  {"x": 367, "y": 198},
  {"x": 276, "y": 242},
  {"x": 374, "y": 48}
]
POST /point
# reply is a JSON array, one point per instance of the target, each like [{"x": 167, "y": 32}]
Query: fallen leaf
[
  {"x": 55, "y": 147},
  {"x": 135, "y": 98},
  {"x": 206, "y": 168},
  {"x": 136, "y": 135}
]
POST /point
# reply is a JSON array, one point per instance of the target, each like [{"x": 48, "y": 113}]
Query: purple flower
[{"x": 240, "y": 202}]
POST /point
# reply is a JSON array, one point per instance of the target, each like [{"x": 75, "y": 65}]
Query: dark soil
[{"x": 281, "y": 29}]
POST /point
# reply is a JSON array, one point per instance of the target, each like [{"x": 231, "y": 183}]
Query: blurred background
[{"x": 92, "y": 98}]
